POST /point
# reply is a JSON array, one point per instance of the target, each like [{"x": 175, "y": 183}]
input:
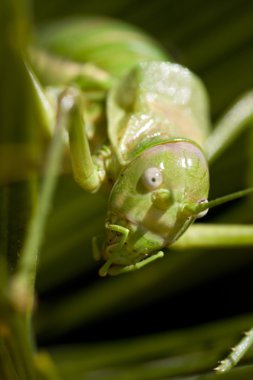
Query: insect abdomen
[{"x": 111, "y": 45}]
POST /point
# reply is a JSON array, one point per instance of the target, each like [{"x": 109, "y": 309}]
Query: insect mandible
[{"x": 137, "y": 124}]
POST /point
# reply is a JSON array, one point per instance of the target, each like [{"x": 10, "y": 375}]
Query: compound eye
[
  {"x": 152, "y": 178},
  {"x": 202, "y": 213}
]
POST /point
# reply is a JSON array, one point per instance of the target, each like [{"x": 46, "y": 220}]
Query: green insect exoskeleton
[{"x": 138, "y": 125}]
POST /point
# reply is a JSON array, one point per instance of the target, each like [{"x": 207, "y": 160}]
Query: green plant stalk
[
  {"x": 17, "y": 310},
  {"x": 21, "y": 288},
  {"x": 207, "y": 231},
  {"x": 16, "y": 352},
  {"x": 24, "y": 280},
  {"x": 16, "y": 347},
  {"x": 16, "y": 198},
  {"x": 16, "y": 356}
]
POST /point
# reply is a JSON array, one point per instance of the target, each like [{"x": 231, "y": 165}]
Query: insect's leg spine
[{"x": 237, "y": 352}]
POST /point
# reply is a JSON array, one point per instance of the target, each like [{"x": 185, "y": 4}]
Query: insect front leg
[
  {"x": 88, "y": 169},
  {"x": 122, "y": 230},
  {"x": 114, "y": 271}
]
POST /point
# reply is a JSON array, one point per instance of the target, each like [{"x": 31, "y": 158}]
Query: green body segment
[
  {"x": 155, "y": 102},
  {"x": 111, "y": 45}
]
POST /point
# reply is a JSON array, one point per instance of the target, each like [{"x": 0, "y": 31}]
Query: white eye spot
[
  {"x": 152, "y": 178},
  {"x": 202, "y": 213}
]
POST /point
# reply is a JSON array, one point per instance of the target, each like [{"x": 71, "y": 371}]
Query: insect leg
[
  {"x": 103, "y": 271},
  {"x": 115, "y": 270},
  {"x": 124, "y": 231},
  {"x": 230, "y": 126},
  {"x": 86, "y": 172},
  {"x": 236, "y": 353}
]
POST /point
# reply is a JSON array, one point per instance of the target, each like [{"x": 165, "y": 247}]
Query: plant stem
[{"x": 24, "y": 280}]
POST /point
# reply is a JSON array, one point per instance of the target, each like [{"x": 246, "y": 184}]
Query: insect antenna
[{"x": 195, "y": 209}]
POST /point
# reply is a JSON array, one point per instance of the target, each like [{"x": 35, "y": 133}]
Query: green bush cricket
[{"x": 138, "y": 125}]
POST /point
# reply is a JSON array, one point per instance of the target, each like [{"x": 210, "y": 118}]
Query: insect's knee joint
[{"x": 70, "y": 99}]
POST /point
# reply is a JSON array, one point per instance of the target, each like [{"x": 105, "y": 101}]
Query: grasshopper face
[{"x": 150, "y": 196}]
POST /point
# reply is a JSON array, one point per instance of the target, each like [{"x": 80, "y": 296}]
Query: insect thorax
[{"x": 156, "y": 101}]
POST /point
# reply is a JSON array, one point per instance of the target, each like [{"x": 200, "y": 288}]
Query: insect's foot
[{"x": 103, "y": 271}]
